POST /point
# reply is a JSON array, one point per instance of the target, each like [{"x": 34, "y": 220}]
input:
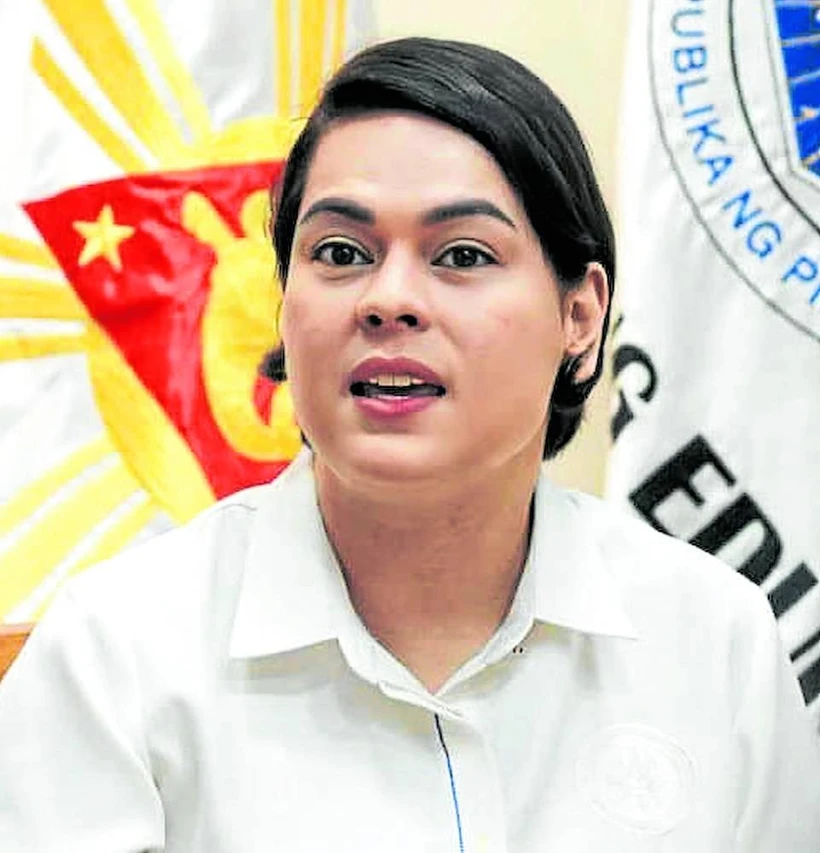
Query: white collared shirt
[{"x": 214, "y": 692}]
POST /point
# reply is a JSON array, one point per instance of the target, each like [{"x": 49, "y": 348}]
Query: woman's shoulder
[
  {"x": 661, "y": 572},
  {"x": 198, "y": 557},
  {"x": 181, "y": 559}
]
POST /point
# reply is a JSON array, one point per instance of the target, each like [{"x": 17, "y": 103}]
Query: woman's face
[{"x": 423, "y": 327}]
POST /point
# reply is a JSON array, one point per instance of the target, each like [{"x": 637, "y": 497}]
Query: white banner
[
  {"x": 717, "y": 353},
  {"x": 137, "y": 284}
]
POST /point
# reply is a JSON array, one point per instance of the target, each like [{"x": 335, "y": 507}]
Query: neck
[{"x": 432, "y": 579}]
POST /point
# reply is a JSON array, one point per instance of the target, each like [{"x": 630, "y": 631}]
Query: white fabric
[
  {"x": 717, "y": 355},
  {"x": 213, "y": 690}
]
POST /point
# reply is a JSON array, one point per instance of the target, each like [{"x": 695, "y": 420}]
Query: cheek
[
  {"x": 307, "y": 325},
  {"x": 514, "y": 361},
  {"x": 293, "y": 311},
  {"x": 303, "y": 355},
  {"x": 520, "y": 346}
]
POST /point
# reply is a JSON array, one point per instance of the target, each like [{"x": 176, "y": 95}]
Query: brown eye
[
  {"x": 340, "y": 253},
  {"x": 464, "y": 257}
]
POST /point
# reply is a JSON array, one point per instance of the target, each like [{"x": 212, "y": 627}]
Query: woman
[{"x": 412, "y": 640}]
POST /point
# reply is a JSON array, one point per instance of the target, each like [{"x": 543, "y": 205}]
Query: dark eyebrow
[
  {"x": 443, "y": 213},
  {"x": 468, "y": 207},
  {"x": 341, "y": 207}
]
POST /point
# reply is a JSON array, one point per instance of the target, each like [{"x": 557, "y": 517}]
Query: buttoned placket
[
  {"x": 466, "y": 754},
  {"x": 478, "y": 814}
]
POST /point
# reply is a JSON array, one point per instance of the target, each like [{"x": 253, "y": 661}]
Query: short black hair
[{"x": 520, "y": 121}]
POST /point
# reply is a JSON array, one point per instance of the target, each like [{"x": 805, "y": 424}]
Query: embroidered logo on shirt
[{"x": 636, "y": 776}]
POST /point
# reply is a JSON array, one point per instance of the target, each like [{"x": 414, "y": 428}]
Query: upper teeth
[{"x": 400, "y": 380}]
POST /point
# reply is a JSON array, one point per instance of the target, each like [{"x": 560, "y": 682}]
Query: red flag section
[{"x": 129, "y": 251}]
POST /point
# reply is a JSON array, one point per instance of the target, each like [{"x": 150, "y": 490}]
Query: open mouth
[{"x": 396, "y": 385}]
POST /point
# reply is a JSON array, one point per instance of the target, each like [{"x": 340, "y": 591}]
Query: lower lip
[{"x": 393, "y": 407}]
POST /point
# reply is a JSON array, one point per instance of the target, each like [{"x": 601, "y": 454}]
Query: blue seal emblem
[
  {"x": 798, "y": 27},
  {"x": 736, "y": 94}
]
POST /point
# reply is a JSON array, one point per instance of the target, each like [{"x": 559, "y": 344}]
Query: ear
[{"x": 585, "y": 308}]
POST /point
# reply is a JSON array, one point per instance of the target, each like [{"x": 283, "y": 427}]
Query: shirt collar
[
  {"x": 293, "y": 593},
  {"x": 573, "y": 586}
]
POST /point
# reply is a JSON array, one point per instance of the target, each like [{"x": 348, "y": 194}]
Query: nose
[{"x": 395, "y": 298}]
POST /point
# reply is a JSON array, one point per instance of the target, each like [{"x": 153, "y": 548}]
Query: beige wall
[{"x": 577, "y": 47}]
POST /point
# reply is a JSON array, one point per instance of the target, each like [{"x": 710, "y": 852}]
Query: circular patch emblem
[
  {"x": 736, "y": 92},
  {"x": 637, "y": 777}
]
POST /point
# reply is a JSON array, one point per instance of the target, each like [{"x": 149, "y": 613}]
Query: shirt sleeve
[
  {"x": 778, "y": 791},
  {"x": 74, "y": 770}
]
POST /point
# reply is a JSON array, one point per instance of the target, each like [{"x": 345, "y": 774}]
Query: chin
[{"x": 392, "y": 460}]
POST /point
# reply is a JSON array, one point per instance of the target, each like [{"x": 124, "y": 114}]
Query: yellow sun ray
[
  {"x": 82, "y": 112},
  {"x": 25, "y": 565},
  {"x": 338, "y": 50},
  {"x": 158, "y": 454},
  {"x": 311, "y": 52},
  {"x": 200, "y": 218},
  {"x": 110, "y": 543},
  {"x": 93, "y": 33},
  {"x": 26, "y": 252},
  {"x": 176, "y": 75},
  {"x": 15, "y": 347},
  {"x": 284, "y": 98},
  {"x": 41, "y": 300},
  {"x": 30, "y": 497}
]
